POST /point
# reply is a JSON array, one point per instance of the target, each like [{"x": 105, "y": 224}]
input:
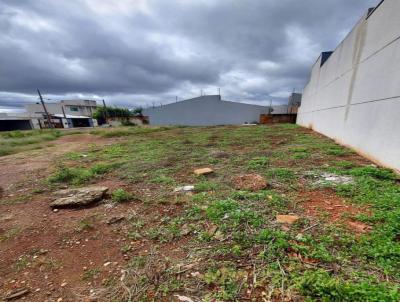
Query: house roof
[{"x": 70, "y": 116}]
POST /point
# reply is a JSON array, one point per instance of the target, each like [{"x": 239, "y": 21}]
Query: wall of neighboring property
[
  {"x": 118, "y": 121},
  {"x": 205, "y": 111},
  {"x": 354, "y": 97}
]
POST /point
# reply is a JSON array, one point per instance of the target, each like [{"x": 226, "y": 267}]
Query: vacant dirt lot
[{"x": 148, "y": 240}]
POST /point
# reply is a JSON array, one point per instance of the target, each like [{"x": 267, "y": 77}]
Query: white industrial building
[
  {"x": 209, "y": 110},
  {"x": 354, "y": 92}
]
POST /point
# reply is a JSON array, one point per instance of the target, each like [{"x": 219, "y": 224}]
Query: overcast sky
[{"x": 136, "y": 52}]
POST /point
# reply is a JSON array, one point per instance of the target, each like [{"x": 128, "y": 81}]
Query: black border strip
[{"x": 376, "y": 7}]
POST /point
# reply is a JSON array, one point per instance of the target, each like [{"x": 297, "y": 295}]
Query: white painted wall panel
[
  {"x": 358, "y": 102},
  {"x": 205, "y": 111}
]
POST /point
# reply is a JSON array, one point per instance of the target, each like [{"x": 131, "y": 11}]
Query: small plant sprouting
[{"x": 120, "y": 196}]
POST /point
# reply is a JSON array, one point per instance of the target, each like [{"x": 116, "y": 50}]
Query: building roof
[
  {"x": 6, "y": 116},
  {"x": 70, "y": 116},
  {"x": 213, "y": 97}
]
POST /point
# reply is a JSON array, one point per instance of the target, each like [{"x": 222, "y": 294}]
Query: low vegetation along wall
[{"x": 354, "y": 97}]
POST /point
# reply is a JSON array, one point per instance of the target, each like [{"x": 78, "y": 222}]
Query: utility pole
[
  {"x": 45, "y": 110},
  {"x": 62, "y": 107},
  {"x": 65, "y": 116},
  {"x": 270, "y": 106},
  {"x": 105, "y": 111}
]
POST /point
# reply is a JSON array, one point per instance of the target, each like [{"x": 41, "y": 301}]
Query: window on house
[{"x": 73, "y": 108}]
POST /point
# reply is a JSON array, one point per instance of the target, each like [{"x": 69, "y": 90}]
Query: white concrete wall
[
  {"x": 205, "y": 111},
  {"x": 354, "y": 97},
  {"x": 35, "y": 123}
]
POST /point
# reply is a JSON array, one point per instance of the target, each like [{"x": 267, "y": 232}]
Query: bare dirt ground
[
  {"x": 320, "y": 203},
  {"x": 49, "y": 240}
]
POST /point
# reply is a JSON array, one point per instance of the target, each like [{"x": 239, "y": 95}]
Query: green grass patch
[
  {"x": 17, "y": 141},
  {"x": 320, "y": 286},
  {"x": 120, "y": 196},
  {"x": 78, "y": 176}
]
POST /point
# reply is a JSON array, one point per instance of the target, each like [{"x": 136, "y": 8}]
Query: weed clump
[
  {"x": 379, "y": 173},
  {"x": 120, "y": 196},
  {"x": 258, "y": 163},
  {"x": 321, "y": 286},
  {"x": 78, "y": 176}
]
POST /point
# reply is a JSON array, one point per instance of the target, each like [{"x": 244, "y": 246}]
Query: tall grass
[{"x": 16, "y": 141}]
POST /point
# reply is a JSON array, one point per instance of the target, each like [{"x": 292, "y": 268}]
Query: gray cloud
[{"x": 135, "y": 52}]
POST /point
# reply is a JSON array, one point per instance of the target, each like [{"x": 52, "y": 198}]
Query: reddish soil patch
[
  {"x": 325, "y": 202},
  {"x": 250, "y": 182},
  {"x": 56, "y": 255}
]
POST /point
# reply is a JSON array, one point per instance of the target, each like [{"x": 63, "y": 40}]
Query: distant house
[
  {"x": 206, "y": 110},
  {"x": 71, "y": 107},
  {"x": 65, "y": 114}
]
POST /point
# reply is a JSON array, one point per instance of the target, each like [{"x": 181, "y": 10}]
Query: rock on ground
[
  {"x": 249, "y": 182},
  {"x": 203, "y": 171},
  {"x": 78, "y": 197},
  {"x": 188, "y": 188},
  {"x": 335, "y": 179},
  {"x": 288, "y": 219}
]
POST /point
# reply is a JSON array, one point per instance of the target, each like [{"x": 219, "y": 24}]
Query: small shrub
[
  {"x": 300, "y": 153},
  {"x": 90, "y": 274},
  {"x": 319, "y": 285},
  {"x": 120, "y": 195},
  {"x": 86, "y": 224},
  {"x": 258, "y": 163},
  {"x": 282, "y": 174},
  {"x": 218, "y": 209},
  {"x": 379, "y": 173},
  {"x": 227, "y": 280},
  {"x": 337, "y": 151},
  {"x": 101, "y": 168},
  {"x": 344, "y": 164},
  {"x": 74, "y": 176},
  {"x": 206, "y": 186}
]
